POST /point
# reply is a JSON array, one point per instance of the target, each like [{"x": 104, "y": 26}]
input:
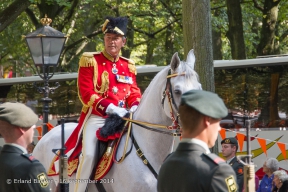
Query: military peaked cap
[
  {"x": 18, "y": 114},
  {"x": 230, "y": 140},
  {"x": 117, "y": 25},
  {"x": 205, "y": 102}
]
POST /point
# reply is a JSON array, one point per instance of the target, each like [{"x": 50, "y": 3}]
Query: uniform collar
[
  {"x": 198, "y": 142},
  {"x": 109, "y": 57},
  {"x": 229, "y": 160},
  {"x": 18, "y": 146}
]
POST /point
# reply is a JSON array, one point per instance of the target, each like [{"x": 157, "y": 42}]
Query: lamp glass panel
[
  {"x": 52, "y": 48},
  {"x": 34, "y": 44}
]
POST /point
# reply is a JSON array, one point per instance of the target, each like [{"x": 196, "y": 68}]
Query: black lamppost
[{"x": 46, "y": 45}]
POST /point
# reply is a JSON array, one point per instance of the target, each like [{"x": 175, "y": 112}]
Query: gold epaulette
[
  {"x": 131, "y": 65},
  {"x": 87, "y": 59}
]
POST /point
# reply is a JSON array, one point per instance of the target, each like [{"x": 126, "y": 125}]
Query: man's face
[
  {"x": 214, "y": 128},
  {"x": 228, "y": 150},
  {"x": 113, "y": 43}
]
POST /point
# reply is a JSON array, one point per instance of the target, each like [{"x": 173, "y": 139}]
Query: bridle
[
  {"x": 169, "y": 93},
  {"x": 175, "y": 128}
]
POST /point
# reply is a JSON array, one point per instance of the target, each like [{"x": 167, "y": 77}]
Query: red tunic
[
  {"x": 122, "y": 91},
  {"x": 101, "y": 81}
]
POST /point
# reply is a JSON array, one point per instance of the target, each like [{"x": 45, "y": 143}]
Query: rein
[{"x": 175, "y": 127}]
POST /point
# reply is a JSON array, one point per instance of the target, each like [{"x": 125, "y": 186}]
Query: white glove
[
  {"x": 114, "y": 109},
  {"x": 133, "y": 108}
]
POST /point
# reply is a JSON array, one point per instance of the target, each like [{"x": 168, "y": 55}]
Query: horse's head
[{"x": 183, "y": 76}]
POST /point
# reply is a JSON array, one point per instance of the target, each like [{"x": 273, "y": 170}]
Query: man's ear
[
  {"x": 206, "y": 121},
  {"x": 124, "y": 42}
]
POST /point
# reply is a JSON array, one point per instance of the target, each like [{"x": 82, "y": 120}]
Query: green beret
[
  {"x": 18, "y": 114},
  {"x": 205, "y": 102},
  {"x": 230, "y": 140}
]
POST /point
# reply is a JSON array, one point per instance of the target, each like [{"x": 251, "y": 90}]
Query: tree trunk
[
  {"x": 235, "y": 31},
  {"x": 12, "y": 12},
  {"x": 197, "y": 35},
  {"x": 270, "y": 15},
  {"x": 217, "y": 44}
]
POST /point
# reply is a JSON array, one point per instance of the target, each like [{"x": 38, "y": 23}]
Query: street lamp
[{"x": 45, "y": 45}]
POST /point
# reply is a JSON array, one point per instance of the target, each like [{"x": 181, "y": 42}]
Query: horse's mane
[{"x": 160, "y": 78}]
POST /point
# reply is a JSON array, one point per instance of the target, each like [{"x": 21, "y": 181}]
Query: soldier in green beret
[
  {"x": 19, "y": 170},
  {"x": 229, "y": 150},
  {"x": 192, "y": 167}
]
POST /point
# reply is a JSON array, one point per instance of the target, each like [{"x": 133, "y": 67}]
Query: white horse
[{"x": 132, "y": 174}]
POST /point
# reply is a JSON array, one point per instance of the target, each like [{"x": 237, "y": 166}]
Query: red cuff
[
  {"x": 101, "y": 107},
  {"x": 135, "y": 103}
]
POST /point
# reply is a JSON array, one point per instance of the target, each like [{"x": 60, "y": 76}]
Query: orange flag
[
  {"x": 39, "y": 129},
  {"x": 282, "y": 147},
  {"x": 262, "y": 143},
  {"x": 49, "y": 126},
  {"x": 222, "y": 133},
  {"x": 240, "y": 138}
]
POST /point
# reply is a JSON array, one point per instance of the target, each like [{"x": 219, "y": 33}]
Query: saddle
[{"x": 106, "y": 147}]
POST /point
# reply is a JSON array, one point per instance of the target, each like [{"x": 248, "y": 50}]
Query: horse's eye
[{"x": 177, "y": 91}]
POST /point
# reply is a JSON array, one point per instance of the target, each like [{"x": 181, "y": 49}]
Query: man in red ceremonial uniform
[{"x": 106, "y": 84}]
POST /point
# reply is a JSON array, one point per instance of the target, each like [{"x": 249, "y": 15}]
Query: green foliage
[{"x": 154, "y": 24}]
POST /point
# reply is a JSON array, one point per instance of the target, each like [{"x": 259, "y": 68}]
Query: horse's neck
[{"x": 156, "y": 146}]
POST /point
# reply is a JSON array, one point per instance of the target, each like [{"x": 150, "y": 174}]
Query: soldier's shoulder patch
[
  {"x": 231, "y": 184},
  {"x": 30, "y": 157},
  {"x": 216, "y": 159},
  {"x": 42, "y": 180}
]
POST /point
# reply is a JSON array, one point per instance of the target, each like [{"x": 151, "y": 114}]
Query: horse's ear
[
  {"x": 191, "y": 58},
  {"x": 175, "y": 61}
]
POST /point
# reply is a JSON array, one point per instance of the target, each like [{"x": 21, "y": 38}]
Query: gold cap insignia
[{"x": 227, "y": 141}]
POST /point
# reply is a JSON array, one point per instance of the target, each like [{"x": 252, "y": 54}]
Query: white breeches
[{"x": 87, "y": 158}]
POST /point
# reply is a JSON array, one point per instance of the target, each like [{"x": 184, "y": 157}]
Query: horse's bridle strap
[{"x": 175, "y": 74}]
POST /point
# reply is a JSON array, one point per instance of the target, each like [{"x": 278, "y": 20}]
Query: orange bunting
[
  {"x": 49, "y": 126},
  {"x": 39, "y": 129},
  {"x": 240, "y": 138},
  {"x": 262, "y": 143},
  {"x": 282, "y": 147},
  {"x": 222, "y": 133}
]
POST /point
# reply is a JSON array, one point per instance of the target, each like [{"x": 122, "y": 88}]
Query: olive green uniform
[
  {"x": 239, "y": 170},
  {"x": 195, "y": 170},
  {"x": 21, "y": 172}
]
